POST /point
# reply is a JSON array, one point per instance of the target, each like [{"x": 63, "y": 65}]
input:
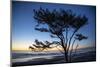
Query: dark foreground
[{"x": 81, "y": 57}]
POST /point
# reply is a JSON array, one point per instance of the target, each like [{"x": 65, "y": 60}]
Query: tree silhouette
[
  {"x": 32, "y": 48},
  {"x": 78, "y": 37},
  {"x": 60, "y": 23},
  {"x": 40, "y": 46}
]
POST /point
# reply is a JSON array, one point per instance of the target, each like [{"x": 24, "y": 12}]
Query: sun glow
[
  {"x": 20, "y": 46},
  {"x": 25, "y": 46}
]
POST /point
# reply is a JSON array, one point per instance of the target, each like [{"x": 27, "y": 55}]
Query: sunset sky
[{"x": 23, "y": 23}]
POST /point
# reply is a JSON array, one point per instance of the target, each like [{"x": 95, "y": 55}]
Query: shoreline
[{"x": 81, "y": 57}]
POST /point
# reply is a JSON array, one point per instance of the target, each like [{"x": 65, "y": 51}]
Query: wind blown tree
[{"x": 61, "y": 24}]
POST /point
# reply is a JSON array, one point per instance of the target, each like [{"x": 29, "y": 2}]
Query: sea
[{"x": 24, "y": 56}]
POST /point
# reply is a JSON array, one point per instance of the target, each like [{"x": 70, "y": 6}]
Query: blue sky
[{"x": 23, "y": 23}]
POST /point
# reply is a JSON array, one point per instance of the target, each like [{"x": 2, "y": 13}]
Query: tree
[{"x": 60, "y": 23}]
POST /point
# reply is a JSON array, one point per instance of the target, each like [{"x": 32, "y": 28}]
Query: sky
[{"x": 23, "y": 23}]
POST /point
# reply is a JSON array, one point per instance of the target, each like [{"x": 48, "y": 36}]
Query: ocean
[{"x": 27, "y": 56}]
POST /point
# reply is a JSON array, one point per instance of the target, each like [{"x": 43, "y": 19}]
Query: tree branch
[
  {"x": 71, "y": 39},
  {"x": 71, "y": 49},
  {"x": 66, "y": 37}
]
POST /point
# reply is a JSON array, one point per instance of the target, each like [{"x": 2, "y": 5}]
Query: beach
[{"x": 30, "y": 58}]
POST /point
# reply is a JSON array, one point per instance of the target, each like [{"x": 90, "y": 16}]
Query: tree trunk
[{"x": 66, "y": 55}]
